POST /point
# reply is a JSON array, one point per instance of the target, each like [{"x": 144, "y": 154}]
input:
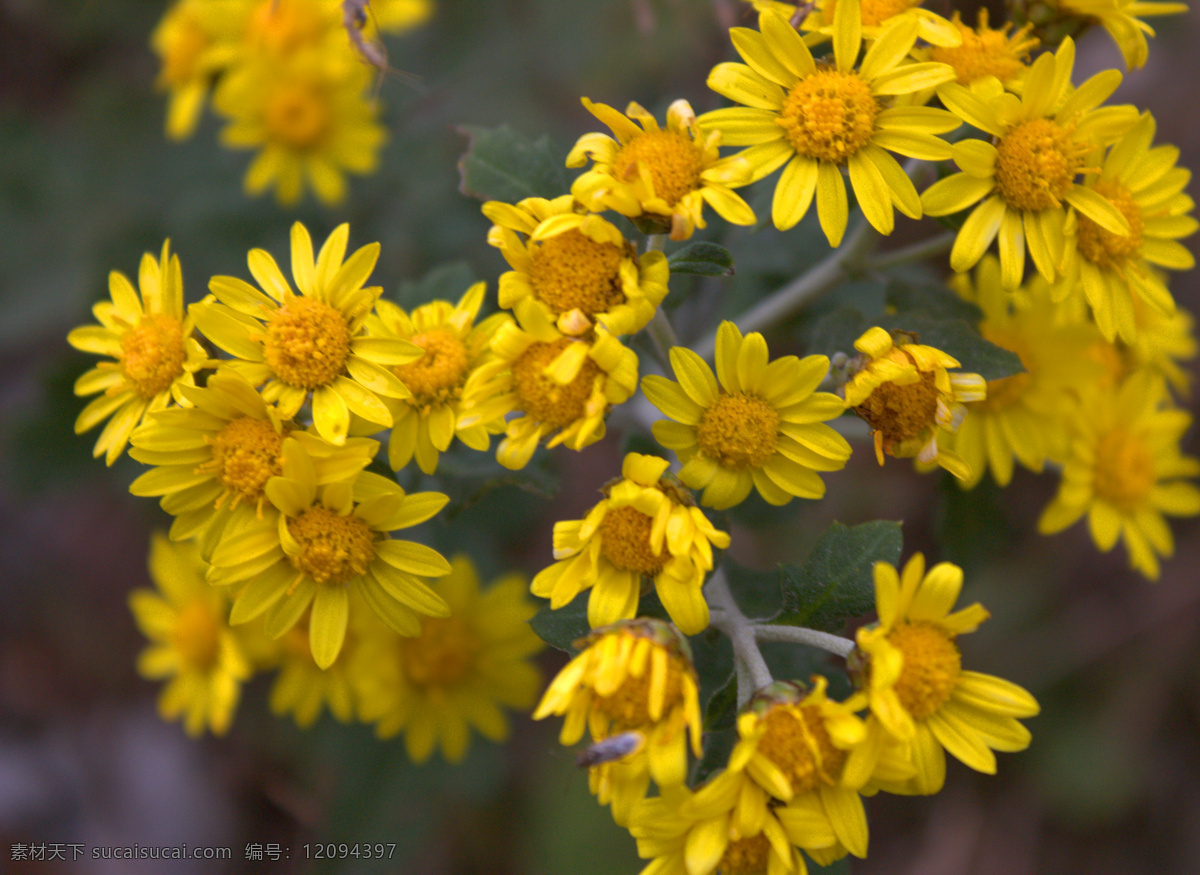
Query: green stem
[
  {"x": 809, "y": 285},
  {"x": 916, "y": 252},
  {"x": 752, "y": 671}
]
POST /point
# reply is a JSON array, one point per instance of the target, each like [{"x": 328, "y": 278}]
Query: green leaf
[
  {"x": 446, "y": 282},
  {"x": 930, "y": 299},
  {"x": 562, "y": 628},
  {"x": 758, "y": 593},
  {"x": 834, "y": 331},
  {"x": 501, "y": 164},
  {"x": 973, "y": 529},
  {"x": 702, "y": 259},
  {"x": 954, "y": 336},
  {"x": 469, "y": 477},
  {"x": 718, "y": 745},
  {"x": 836, "y": 581},
  {"x": 721, "y": 710}
]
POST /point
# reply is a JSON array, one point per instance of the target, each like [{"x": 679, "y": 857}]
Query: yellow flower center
[
  {"x": 543, "y": 398},
  {"x": 153, "y": 353},
  {"x": 986, "y": 52},
  {"x": 625, "y": 541},
  {"x": 185, "y": 43},
  {"x": 874, "y": 12},
  {"x": 1104, "y": 248},
  {"x": 932, "y": 664},
  {"x": 738, "y": 431},
  {"x": 298, "y": 115},
  {"x": 334, "y": 549},
  {"x": 283, "y": 26},
  {"x": 1036, "y": 164},
  {"x": 629, "y": 706},
  {"x": 442, "y": 655},
  {"x": 797, "y": 741},
  {"x": 438, "y": 376},
  {"x": 1006, "y": 391},
  {"x": 901, "y": 412},
  {"x": 1124, "y": 470},
  {"x": 307, "y": 343},
  {"x": 571, "y": 271},
  {"x": 747, "y": 856},
  {"x": 673, "y": 161},
  {"x": 197, "y": 635},
  {"x": 829, "y": 115},
  {"x": 246, "y": 453}
]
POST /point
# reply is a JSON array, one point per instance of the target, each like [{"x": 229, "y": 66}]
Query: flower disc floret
[
  {"x": 153, "y": 354},
  {"x": 932, "y": 664},
  {"x": 1100, "y": 246},
  {"x": 987, "y": 51},
  {"x": 625, "y": 541},
  {"x": 1036, "y": 164},
  {"x": 543, "y": 397},
  {"x": 738, "y": 431},
  {"x": 671, "y": 158},
  {"x": 570, "y": 271},
  {"x": 437, "y": 376},
  {"x": 307, "y": 343},
  {"x": 246, "y": 453},
  {"x": 333, "y": 549},
  {"x": 829, "y": 115},
  {"x": 443, "y": 654}
]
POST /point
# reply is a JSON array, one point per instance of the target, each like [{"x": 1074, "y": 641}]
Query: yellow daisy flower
[
  {"x": 154, "y": 352},
  {"x": 904, "y": 392},
  {"x": 1027, "y": 176},
  {"x": 280, "y": 28},
  {"x": 647, "y": 525},
  {"x": 916, "y": 687},
  {"x": 878, "y": 15},
  {"x": 761, "y": 427},
  {"x": 725, "y": 827},
  {"x": 1123, "y": 21},
  {"x": 303, "y": 689},
  {"x": 191, "y": 643},
  {"x": 310, "y": 119},
  {"x": 325, "y": 542},
  {"x": 311, "y": 342},
  {"x": 633, "y": 676},
  {"x": 458, "y": 673},
  {"x": 1148, "y": 189},
  {"x": 213, "y": 459},
  {"x": 195, "y": 40},
  {"x": 397, "y": 16},
  {"x": 987, "y": 51},
  {"x": 426, "y": 423},
  {"x": 817, "y": 119},
  {"x": 663, "y": 176},
  {"x": 1024, "y": 416},
  {"x": 1162, "y": 344},
  {"x": 563, "y": 386},
  {"x": 575, "y": 269},
  {"x": 1125, "y": 471},
  {"x": 793, "y": 743}
]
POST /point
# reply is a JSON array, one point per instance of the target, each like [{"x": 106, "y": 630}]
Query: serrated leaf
[
  {"x": 836, "y": 582},
  {"x": 758, "y": 593},
  {"x": 929, "y": 299},
  {"x": 702, "y": 259},
  {"x": 954, "y": 336},
  {"x": 562, "y": 628},
  {"x": 468, "y": 477},
  {"x": 502, "y": 164},
  {"x": 446, "y": 282},
  {"x": 836, "y": 331}
]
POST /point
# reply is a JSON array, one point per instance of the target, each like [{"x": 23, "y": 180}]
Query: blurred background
[{"x": 88, "y": 182}]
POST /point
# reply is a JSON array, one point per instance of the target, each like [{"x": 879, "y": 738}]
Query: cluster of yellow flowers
[
  {"x": 280, "y": 552},
  {"x": 291, "y": 78}
]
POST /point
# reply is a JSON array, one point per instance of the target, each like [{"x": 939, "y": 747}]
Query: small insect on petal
[{"x": 611, "y": 749}]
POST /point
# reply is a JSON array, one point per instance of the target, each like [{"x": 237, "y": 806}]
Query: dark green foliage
[{"x": 501, "y": 164}]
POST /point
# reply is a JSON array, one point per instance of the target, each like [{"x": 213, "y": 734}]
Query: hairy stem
[
  {"x": 835, "y": 644},
  {"x": 916, "y": 252},
  {"x": 752, "y": 671}
]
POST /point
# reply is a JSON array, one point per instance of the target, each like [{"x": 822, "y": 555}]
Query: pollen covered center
[
  {"x": 829, "y": 115},
  {"x": 986, "y": 52},
  {"x": 901, "y": 412},
  {"x": 297, "y": 114},
  {"x": 629, "y": 706},
  {"x": 625, "y": 541},
  {"x": 334, "y": 549},
  {"x": 874, "y": 12},
  {"x": 571, "y": 271},
  {"x": 246, "y": 453},
  {"x": 1124, "y": 470},
  {"x": 542, "y": 397},
  {"x": 152, "y": 353},
  {"x": 932, "y": 664},
  {"x": 797, "y": 741},
  {"x": 672, "y": 161},
  {"x": 307, "y": 343},
  {"x": 739, "y": 430},
  {"x": 197, "y": 635},
  {"x": 748, "y": 856},
  {"x": 442, "y": 655},
  {"x": 437, "y": 376},
  {"x": 1104, "y": 248},
  {"x": 1036, "y": 164}
]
